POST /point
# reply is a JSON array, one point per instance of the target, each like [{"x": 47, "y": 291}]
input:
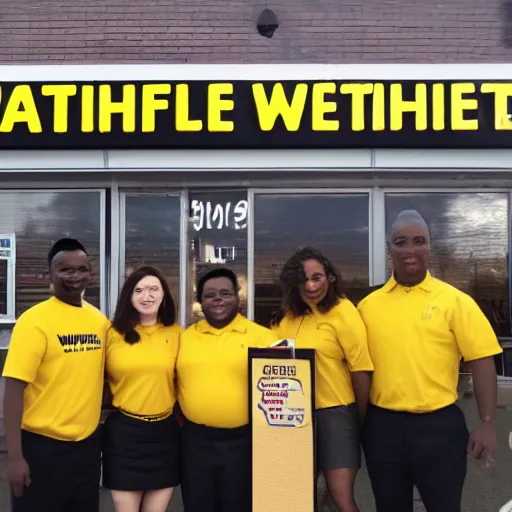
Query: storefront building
[{"x": 189, "y": 166}]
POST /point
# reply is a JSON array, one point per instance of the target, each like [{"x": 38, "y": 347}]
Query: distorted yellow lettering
[
  {"x": 358, "y": 92},
  {"x": 460, "y": 105},
  {"x": 399, "y": 106},
  {"x": 269, "y": 110},
  {"x": 502, "y": 94},
  {"x": 125, "y": 107},
  {"x": 320, "y": 107},
  {"x": 438, "y": 110},
  {"x": 21, "y": 108},
  {"x": 61, "y": 95},
  {"x": 183, "y": 121},
  {"x": 150, "y": 104},
  {"x": 87, "y": 124},
  {"x": 378, "y": 112},
  {"x": 217, "y": 104}
]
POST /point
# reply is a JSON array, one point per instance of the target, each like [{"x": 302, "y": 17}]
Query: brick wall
[{"x": 217, "y": 31}]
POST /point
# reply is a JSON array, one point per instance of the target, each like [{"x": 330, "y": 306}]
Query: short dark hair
[
  {"x": 127, "y": 317},
  {"x": 64, "y": 244},
  {"x": 212, "y": 274},
  {"x": 292, "y": 276}
]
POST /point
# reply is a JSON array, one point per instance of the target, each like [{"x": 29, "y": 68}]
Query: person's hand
[
  {"x": 18, "y": 475},
  {"x": 482, "y": 443}
]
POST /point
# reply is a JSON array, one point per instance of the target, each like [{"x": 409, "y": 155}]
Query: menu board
[{"x": 282, "y": 420}]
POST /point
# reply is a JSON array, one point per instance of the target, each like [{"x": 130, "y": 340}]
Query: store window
[
  {"x": 152, "y": 236},
  {"x": 337, "y": 224},
  {"x": 217, "y": 234},
  {"x": 7, "y": 276},
  {"x": 31, "y": 221},
  {"x": 470, "y": 241}
]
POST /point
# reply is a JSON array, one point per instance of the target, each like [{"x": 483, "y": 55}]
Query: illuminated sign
[
  {"x": 255, "y": 114},
  {"x": 208, "y": 215}
]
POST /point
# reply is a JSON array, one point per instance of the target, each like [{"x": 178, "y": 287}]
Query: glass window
[
  {"x": 469, "y": 238},
  {"x": 40, "y": 218},
  {"x": 217, "y": 237},
  {"x": 336, "y": 224},
  {"x": 152, "y": 236}
]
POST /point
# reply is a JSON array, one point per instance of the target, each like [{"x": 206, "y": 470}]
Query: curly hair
[
  {"x": 293, "y": 276},
  {"x": 127, "y": 317}
]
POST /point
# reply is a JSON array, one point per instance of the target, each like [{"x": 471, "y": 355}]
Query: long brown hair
[{"x": 127, "y": 317}]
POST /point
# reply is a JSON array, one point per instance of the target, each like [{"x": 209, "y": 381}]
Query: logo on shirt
[
  {"x": 79, "y": 342},
  {"x": 428, "y": 312}
]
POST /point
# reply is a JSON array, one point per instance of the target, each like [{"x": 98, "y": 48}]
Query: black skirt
[{"x": 139, "y": 455}]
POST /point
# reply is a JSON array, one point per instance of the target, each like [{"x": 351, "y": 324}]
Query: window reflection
[
  {"x": 152, "y": 235},
  {"x": 470, "y": 237},
  {"x": 337, "y": 224},
  {"x": 38, "y": 219},
  {"x": 217, "y": 237}
]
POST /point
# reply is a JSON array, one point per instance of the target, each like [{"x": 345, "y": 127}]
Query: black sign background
[{"x": 247, "y": 133}]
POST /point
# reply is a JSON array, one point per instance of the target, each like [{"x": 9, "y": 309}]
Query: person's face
[
  {"x": 70, "y": 275},
  {"x": 410, "y": 250},
  {"x": 147, "y": 296},
  {"x": 219, "y": 301},
  {"x": 316, "y": 286}
]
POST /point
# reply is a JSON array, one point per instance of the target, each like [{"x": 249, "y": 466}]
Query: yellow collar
[
  {"x": 238, "y": 324},
  {"x": 425, "y": 285}
]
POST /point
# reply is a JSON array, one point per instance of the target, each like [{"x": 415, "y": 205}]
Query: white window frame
[{"x": 11, "y": 280}]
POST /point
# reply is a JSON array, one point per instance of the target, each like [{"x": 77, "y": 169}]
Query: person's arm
[
  {"x": 361, "y": 383},
  {"x": 485, "y": 386},
  {"x": 26, "y": 351},
  {"x": 13, "y": 413},
  {"x": 353, "y": 339},
  {"x": 478, "y": 345}
]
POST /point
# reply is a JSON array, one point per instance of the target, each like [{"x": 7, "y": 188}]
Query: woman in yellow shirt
[
  {"x": 141, "y": 440},
  {"x": 317, "y": 315}
]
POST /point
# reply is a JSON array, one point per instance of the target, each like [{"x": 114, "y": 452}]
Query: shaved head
[
  {"x": 409, "y": 247},
  {"x": 408, "y": 218}
]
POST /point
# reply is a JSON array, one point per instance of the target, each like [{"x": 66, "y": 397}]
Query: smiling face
[
  {"x": 410, "y": 250},
  {"x": 219, "y": 301},
  {"x": 147, "y": 297},
  {"x": 316, "y": 286},
  {"x": 70, "y": 275}
]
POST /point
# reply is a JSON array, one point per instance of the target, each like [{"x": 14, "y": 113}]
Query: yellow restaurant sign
[{"x": 249, "y": 114}]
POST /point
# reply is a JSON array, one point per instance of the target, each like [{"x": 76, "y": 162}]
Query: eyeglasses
[{"x": 223, "y": 294}]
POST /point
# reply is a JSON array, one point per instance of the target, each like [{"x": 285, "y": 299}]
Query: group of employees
[{"x": 386, "y": 380}]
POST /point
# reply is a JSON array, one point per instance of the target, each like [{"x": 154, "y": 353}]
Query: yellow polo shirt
[
  {"x": 212, "y": 370},
  {"x": 141, "y": 375},
  {"x": 59, "y": 351},
  {"x": 416, "y": 337},
  {"x": 339, "y": 339}
]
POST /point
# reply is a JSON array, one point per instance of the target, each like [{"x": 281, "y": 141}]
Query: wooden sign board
[{"x": 281, "y": 403}]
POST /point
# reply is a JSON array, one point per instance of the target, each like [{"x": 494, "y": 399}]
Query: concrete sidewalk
[{"x": 485, "y": 490}]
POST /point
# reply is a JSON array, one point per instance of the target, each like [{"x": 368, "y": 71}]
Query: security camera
[{"x": 267, "y": 23}]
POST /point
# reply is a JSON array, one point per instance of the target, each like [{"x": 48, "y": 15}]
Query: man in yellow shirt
[
  {"x": 212, "y": 371},
  {"x": 418, "y": 328},
  {"x": 54, "y": 375}
]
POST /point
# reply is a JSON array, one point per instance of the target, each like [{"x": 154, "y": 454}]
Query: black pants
[
  {"x": 428, "y": 451},
  {"x": 216, "y": 471},
  {"x": 65, "y": 475}
]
